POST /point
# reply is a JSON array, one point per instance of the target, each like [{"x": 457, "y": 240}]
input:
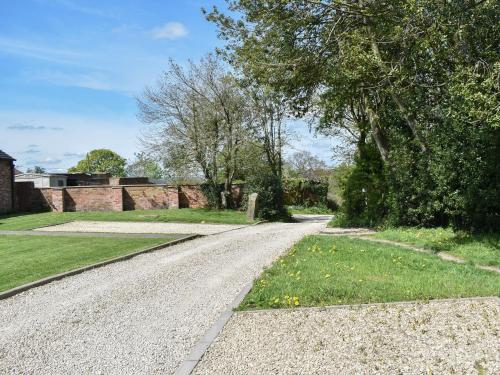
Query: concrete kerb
[
  {"x": 191, "y": 361},
  {"x": 25, "y": 287}
]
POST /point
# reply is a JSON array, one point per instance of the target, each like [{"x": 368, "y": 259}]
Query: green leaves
[{"x": 101, "y": 161}]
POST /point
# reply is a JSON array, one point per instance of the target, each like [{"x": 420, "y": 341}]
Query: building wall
[
  {"x": 6, "y": 203},
  {"x": 42, "y": 181}
]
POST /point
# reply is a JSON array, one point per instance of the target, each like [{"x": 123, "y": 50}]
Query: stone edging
[
  {"x": 190, "y": 361},
  {"x": 11, "y": 292}
]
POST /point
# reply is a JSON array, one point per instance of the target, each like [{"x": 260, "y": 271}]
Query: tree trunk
[
  {"x": 410, "y": 120},
  {"x": 377, "y": 132}
]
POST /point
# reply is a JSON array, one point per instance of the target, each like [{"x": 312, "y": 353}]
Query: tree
[
  {"x": 305, "y": 165},
  {"x": 198, "y": 121},
  {"x": 144, "y": 166},
  {"x": 36, "y": 169},
  {"x": 418, "y": 80},
  {"x": 101, "y": 161}
]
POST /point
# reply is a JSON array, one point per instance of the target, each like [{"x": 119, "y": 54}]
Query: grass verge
[
  {"x": 313, "y": 210},
  {"x": 30, "y": 258},
  {"x": 186, "y": 215},
  {"x": 322, "y": 270},
  {"x": 480, "y": 249}
]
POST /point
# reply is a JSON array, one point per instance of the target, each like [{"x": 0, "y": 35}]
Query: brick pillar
[
  {"x": 58, "y": 199},
  {"x": 117, "y": 198}
]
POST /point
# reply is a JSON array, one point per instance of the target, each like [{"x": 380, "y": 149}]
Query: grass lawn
[
  {"x": 314, "y": 210},
  {"x": 322, "y": 270},
  {"x": 479, "y": 249},
  {"x": 29, "y": 258},
  {"x": 185, "y": 215}
]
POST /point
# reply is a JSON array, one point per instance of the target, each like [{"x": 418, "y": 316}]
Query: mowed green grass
[
  {"x": 323, "y": 270},
  {"x": 24, "y": 259},
  {"x": 185, "y": 215},
  {"x": 479, "y": 248}
]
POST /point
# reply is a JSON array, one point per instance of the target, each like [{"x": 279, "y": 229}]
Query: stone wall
[
  {"x": 6, "y": 182},
  {"x": 112, "y": 198}
]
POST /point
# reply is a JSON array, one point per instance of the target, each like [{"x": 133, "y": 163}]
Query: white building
[{"x": 43, "y": 180}]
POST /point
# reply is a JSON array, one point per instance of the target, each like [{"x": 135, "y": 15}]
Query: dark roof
[{"x": 3, "y": 155}]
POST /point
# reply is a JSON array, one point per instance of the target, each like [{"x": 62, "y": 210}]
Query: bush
[
  {"x": 364, "y": 191},
  {"x": 213, "y": 194},
  {"x": 303, "y": 192},
  {"x": 270, "y": 190}
]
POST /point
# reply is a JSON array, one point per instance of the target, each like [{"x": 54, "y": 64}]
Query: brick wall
[
  {"x": 86, "y": 198},
  {"x": 191, "y": 196},
  {"x": 6, "y": 203},
  {"x": 28, "y": 198},
  {"x": 112, "y": 198},
  {"x": 150, "y": 197}
]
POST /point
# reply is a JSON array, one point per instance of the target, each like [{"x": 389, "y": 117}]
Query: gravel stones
[
  {"x": 139, "y": 227},
  {"x": 139, "y": 316},
  {"x": 441, "y": 337}
]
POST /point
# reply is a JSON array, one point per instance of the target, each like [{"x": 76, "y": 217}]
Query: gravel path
[
  {"x": 141, "y": 316},
  {"x": 441, "y": 337},
  {"x": 139, "y": 227}
]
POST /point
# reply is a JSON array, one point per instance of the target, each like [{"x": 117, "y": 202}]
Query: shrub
[
  {"x": 364, "y": 191},
  {"x": 270, "y": 190},
  {"x": 213, "y": 194}
]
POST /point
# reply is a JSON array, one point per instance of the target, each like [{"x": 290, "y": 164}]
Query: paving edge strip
[
  {"x": 189, "y": 363},
  {"x": 59, "y": 276}
]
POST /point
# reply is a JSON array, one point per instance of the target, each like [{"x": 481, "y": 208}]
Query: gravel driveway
[
  {"x": 441, "y": 337},
  {"x": 139, "y": 227},
  {"x": 139, "y": 316}
]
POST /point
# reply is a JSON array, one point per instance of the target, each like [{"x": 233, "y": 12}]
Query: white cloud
[
  {"x": 37, "y": 50},
  {"x": 171, "y": 30},
  {"x": 89, "y": 80}
]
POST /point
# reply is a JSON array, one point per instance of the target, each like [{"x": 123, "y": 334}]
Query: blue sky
[{"x": 71, "y": 70}]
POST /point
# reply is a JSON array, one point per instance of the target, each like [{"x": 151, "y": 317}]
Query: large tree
[
  {"x": 199, "y": 121},
  {"x": 417, "y": 79},
  {"x": 101, "y": 161}
]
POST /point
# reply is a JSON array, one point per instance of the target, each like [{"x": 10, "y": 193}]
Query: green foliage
[
  {"x": 213, "y": 194},
  {"x": 421, "y": 78},
  {"x": 324, "y": 270},
  {"x": 318, "y": 209},
  {"x": 271, "y": 196},
  {"x": 101, "y": 161},
  {"x": 304, "y": 192},
  {"x": 364, "y": 190}
]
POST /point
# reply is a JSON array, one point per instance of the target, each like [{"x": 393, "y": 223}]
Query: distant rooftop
[{"x": 4, "y": 156}]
